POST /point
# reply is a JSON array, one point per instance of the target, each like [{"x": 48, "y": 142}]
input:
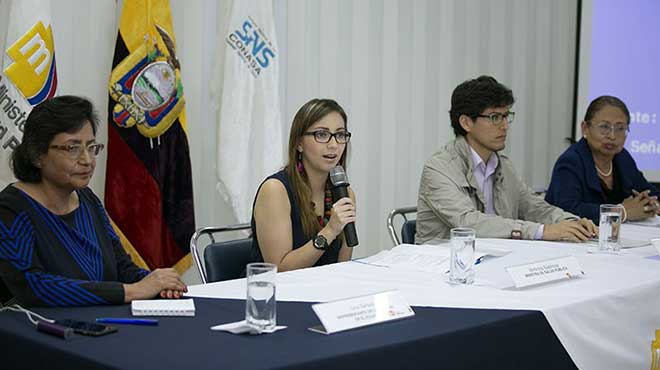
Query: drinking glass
[
  {"x": 260, "y": 310},
  {"x": 461, "y": 269},
  {"x": 609, "y": 227}
]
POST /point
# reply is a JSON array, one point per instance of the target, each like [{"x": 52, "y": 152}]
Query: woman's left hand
[
  {"x": 652, "y": 206},
  {"x": 171, "y": 294},
  {"x": 342, "y": 213}
]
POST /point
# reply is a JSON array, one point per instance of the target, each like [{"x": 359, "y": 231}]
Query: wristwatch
[
  {"x": 320, "y": 242},
  {"x": 516, "y": 233}
]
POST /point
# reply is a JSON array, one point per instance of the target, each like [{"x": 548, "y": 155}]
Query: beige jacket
[{"x": 449, "y": 197}]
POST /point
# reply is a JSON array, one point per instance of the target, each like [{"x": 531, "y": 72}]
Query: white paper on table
[
  {"x": 652, "y": 222},
  {"x": 428, "y": 258},
  {"x": 638, "y": 232},
  {"x": 492, "y": 272}
]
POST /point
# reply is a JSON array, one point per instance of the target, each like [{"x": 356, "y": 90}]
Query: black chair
[
  {"x": 408, "y": 228},
  {"x": 224, "y": 260}
]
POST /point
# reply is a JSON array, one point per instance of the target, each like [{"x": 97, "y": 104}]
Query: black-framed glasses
[
  {"x": 605, "y": 128},
  {"x": 324, "y": 136},
  {"x": 74, "y": 151},
  {"x": 497, "y": 118}
]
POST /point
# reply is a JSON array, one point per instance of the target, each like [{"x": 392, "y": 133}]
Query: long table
[
  {"x": 605, "y": 319},
  {"x": 434, "y": 338}
]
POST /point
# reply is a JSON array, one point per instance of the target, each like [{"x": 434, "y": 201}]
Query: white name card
[
  {"x": 361, "y": 311},
  {"x": 545, "y": 271}
]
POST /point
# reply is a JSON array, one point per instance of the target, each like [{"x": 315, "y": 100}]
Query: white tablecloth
[{"x": 605, "y": 319}]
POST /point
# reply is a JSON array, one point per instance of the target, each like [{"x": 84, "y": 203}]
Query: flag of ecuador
[{"x": 148, "y": 188}]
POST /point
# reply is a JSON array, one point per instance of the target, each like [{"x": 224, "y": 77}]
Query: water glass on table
[
  {"x": 461, "y": 268},
  {"x": 610, "y": 227},
  {"x": 260, "y": 309}
]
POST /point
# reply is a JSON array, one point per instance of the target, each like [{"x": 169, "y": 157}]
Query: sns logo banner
[
  {"x": 33, "y": 70},
  {"x": 253, "y": 46}
]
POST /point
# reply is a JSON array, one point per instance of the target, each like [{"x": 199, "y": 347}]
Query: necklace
[
  {"x": 603, "y": 174},
  {"x": 327, "y": 207}
]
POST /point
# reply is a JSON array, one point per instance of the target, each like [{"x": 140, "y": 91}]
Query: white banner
[
  {"x": 250, "y": 145},
  {"x": 28, "y": 74}
]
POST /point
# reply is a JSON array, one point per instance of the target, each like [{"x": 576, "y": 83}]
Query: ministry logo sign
[{"x": 33, "y": 70}]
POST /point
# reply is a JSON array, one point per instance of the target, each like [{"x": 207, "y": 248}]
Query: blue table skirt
[{"x": 436, "y": 338}]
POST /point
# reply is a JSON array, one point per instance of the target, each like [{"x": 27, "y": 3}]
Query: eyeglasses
[
  {"x": 74, "y": 151},
  {"x": 605, "y": 128},
  {"x": 324, "y": 136},
  {"x": 497, "y": 118}
]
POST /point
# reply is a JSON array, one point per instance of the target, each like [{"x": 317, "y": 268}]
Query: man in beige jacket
[{"x": 469, "y": 184}]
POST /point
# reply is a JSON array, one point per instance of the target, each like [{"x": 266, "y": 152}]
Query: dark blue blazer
[{"x": 575, "y": 185}]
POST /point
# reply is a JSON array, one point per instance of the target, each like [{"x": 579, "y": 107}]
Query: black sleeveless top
[{"x": 331, "y": 255}]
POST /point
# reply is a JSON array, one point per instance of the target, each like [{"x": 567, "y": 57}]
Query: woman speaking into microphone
[{"x": 295, "y": 222}]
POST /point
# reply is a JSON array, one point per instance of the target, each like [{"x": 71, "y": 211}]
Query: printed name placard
[
  {"x": 361, "y": 311},
  {"x": 545, "y": 271}
]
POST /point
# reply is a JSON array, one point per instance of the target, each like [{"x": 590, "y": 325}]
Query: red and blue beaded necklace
[{"x": 327, "y": 207}]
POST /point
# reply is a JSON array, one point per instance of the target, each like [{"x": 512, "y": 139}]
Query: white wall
[{"x": 391, "y": 64}]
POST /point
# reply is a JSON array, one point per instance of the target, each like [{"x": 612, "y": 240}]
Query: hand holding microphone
[
  {"x": 343, "y": 210},
  {"x": 341, "y": 214}
]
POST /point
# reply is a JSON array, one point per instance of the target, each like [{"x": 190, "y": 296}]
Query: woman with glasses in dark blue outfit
[
  {"x": 599, "y": 170},
  {"x": 295, "y": 222},
  {"x": 57, "y": 246}
]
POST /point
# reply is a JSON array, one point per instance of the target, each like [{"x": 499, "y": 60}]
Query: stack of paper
[{"x": 163, "y": 307}]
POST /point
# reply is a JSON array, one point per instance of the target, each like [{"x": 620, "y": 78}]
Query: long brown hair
[{"x": 310, "y": 113}]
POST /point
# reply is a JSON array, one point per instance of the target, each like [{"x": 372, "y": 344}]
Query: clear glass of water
[
  {"x": 609, "y": 227},
  {"x": 260, "y": 310},
  {"x": 461, "y": 268}
]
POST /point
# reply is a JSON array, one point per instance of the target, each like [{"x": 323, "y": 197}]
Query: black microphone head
[{"x": 338, "y": 176}]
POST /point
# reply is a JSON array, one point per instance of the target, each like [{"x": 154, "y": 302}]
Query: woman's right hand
[
  {"x": 640, "y": 206},
  {"x": 151, "y": 285},
  {"x": 342, "y": 213}
]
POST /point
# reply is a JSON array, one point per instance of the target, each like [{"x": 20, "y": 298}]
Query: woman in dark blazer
[{"x": 598, "y": 170}]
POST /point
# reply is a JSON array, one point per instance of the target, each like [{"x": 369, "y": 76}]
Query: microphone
[
  {"x": 54, "y": 329},
  {"x": 340, "y": 190}
]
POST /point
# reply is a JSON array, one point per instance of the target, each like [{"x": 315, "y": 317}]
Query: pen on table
[{"x": 119, "y": 320}]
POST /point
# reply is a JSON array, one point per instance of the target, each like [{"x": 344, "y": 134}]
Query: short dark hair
[
  {"x": 472, "y": 97},
  {"x": 60, "y": 114},
  {"x": 603, "y": 101}
]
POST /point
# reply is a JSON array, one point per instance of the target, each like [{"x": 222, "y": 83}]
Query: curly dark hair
[
  {"x": 472, "y": 97},
  {"x": 60, "y": 114}
]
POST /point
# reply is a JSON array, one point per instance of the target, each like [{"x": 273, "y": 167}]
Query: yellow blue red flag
[{"x": 148, "y": 190}]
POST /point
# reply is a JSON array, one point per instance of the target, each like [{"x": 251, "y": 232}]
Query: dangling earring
[{"x": 299, "y": 164}]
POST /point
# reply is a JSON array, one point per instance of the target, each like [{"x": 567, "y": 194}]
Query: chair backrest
[
  {"x": 223, "y": 260},
  {"x": 408, "y": 228},
  {"x": 227, "y": 260}
]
